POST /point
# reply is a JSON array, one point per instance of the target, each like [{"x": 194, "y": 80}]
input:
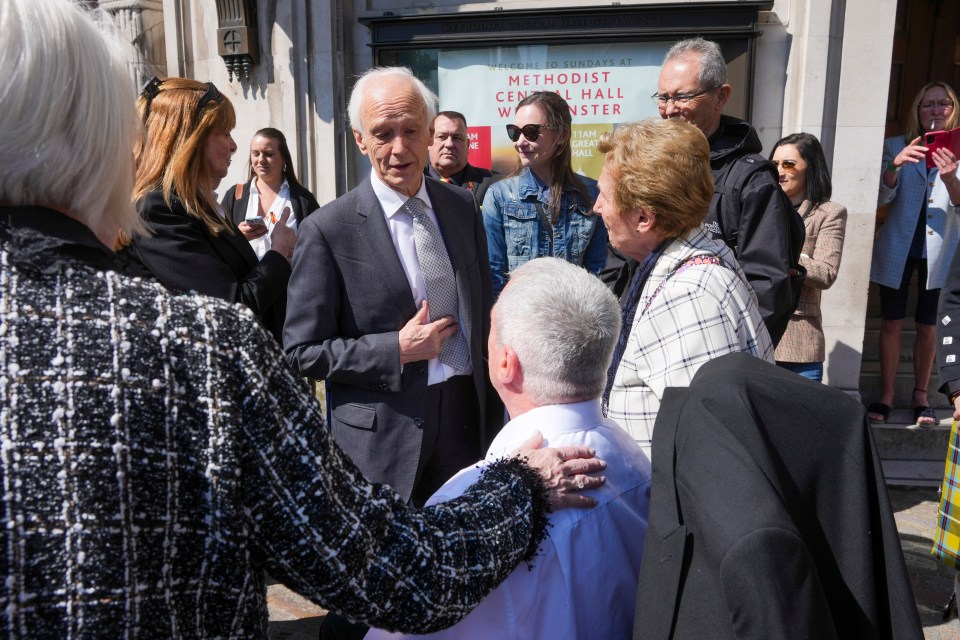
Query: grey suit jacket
[{"x": 349, "y": 298}]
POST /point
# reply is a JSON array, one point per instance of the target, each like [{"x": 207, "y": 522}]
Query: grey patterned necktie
[{"x": 440, "y": 281}]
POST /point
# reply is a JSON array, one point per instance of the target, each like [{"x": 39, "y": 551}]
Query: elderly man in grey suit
[{"x": 389, "y": 301}]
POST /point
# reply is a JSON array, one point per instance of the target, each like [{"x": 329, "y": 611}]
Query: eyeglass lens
[
  {"x": 788, "y": 165},
  {"x": 530, "y": 131}
]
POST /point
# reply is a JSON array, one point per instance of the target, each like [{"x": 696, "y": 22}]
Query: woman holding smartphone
[
  {"x": 194, "y": 246},
  {"x": 257, "y": 205},
  {"x": 920, "y": 234}
]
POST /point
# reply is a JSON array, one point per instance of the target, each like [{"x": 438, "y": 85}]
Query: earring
[{"x": 284, "y": 168}]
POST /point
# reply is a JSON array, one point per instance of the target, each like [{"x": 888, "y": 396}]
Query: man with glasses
[
  {"x": 448, "y": 156},
  {"x": 749, "y": 212}
]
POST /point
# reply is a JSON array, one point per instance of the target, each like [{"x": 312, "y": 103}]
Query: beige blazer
[{"x": 825, "y": 226}]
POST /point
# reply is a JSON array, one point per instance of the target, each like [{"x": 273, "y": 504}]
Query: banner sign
[{"x": 604, "y": 85}]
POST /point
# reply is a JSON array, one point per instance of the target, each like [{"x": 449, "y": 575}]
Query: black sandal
[{"x": 880, "y": 409}]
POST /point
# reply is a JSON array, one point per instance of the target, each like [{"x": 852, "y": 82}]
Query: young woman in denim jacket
[{"x": 544, "y": 208}]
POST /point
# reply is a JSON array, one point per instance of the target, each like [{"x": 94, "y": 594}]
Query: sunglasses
[
  {"x": 790, "y": 166},
  {"x": 530, "y": 131},
  {"x": 151, "y": 88}
]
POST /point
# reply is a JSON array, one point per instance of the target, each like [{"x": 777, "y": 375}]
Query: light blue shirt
[{"x": 583, "y": 583}]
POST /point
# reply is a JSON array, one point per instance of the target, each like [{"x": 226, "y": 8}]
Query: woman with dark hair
[
  {"x": 274, "y": 185},
  {"x": 544, "y": 208},
  {"x": 805, "y": 178},
  {"x": 919, "y": 234},
  {"x": 194, "y": 245}
]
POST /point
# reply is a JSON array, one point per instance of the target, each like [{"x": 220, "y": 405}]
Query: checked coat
[{"x": 698, "y": 314}]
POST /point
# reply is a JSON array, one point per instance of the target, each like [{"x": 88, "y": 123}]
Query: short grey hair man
[
  {"x": 370, "y": 77},
  {"x": 563, "y": 323},
  {"x": 552, "y": 333},
  {"x": 713, "y": 68}
]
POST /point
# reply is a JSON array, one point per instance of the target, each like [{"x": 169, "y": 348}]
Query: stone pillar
[{"x": 141, "y": 23}]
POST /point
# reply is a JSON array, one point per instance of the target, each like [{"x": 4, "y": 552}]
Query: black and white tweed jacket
[{"x": 157, "y": 456}]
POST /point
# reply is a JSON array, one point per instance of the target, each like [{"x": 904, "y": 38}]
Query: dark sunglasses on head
[
  {"x": 788, "y": 165},
  {"x": 530, "y": 131},
  {"x": 151, "y": 88}
]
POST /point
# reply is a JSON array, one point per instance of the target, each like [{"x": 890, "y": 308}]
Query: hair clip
[
  {"x": 148, "y": 92},
  {"x": 150, "y": 88}
]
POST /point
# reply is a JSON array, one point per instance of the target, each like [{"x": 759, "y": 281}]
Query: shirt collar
[
  {"x": 253, "y": 186},
  {"x": 392, "y": 200},
  {"x": 550, "y": 420}
]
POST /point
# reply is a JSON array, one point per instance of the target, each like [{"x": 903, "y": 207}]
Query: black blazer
[
  {"x": 769, "y": 515},
  {"x": 183, "y": 255},
  {"x": 302, "y": 202},
  {"x": 349, "y": 297}
]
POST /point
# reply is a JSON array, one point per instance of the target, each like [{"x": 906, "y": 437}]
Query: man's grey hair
[
  {"x": 378, "y": 73},
  {"x": 563, "y": 323},
  {"x": 713, "y": 69}
]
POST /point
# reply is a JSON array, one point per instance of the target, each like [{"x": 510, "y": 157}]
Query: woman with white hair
[{"x": 156, "y": 452}]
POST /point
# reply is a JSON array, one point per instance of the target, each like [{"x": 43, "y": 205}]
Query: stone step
[
  {"x": 903, "y": 387},
  {"x": 912, "y": 455}
]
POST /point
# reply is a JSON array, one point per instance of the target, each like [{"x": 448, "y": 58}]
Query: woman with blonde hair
[
  {"x": 688, "y": 301},
  {"x": 194, "y": 246},
  {"x": 919, "y": 234}
]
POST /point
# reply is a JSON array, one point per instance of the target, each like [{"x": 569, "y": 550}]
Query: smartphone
[
  {"x": 941, "y": 140},
  {"x": 254, "y": 220}
]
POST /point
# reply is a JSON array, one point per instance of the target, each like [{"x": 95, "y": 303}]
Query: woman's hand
[
  {"x": 252, "y": 230},
  {"x": 565, "y": 471},
  {"x": 912, "y": 153},
  {"x": 946, "y": 162}
]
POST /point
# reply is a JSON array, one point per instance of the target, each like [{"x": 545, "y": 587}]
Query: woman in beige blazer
[{"x": 805, "y": 179}]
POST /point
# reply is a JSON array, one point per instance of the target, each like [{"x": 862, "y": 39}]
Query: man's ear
[
  {"x": 509, "y": 370},
  {"x": 358, "y": 137},
  {"x": 723, "y": 94}
]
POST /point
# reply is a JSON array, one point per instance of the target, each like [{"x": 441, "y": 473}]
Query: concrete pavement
[{"x": 294, "y": 618}]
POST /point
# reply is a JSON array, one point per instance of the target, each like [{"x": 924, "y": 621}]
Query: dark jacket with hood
[{"x": 753, "y": 216}]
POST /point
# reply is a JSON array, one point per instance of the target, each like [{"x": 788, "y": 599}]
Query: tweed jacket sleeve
[
  {"x": 823, "y": 247},
  {"x": 166, "y": 456}
]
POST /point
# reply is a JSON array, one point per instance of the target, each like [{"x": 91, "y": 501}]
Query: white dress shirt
[
  {"x": 583, "y": 583},
  {"x": 400, "y": 224},
  {"x": 262, "y": 244}
]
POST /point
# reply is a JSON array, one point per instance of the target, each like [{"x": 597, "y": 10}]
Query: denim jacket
[{"x": 515, "y": 233}]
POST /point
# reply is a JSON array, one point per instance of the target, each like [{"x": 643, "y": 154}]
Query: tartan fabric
[
  {"x": 825, "y": 225},
  {"x": 946, "y": 540},
  {"x": 704, "y": 312}
]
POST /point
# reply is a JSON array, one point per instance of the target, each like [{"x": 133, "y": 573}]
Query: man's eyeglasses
[
  {"x": 681, "y": 99},
  {"x": 530, "y": 131},
  {"x": 790, "y": 166}
]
